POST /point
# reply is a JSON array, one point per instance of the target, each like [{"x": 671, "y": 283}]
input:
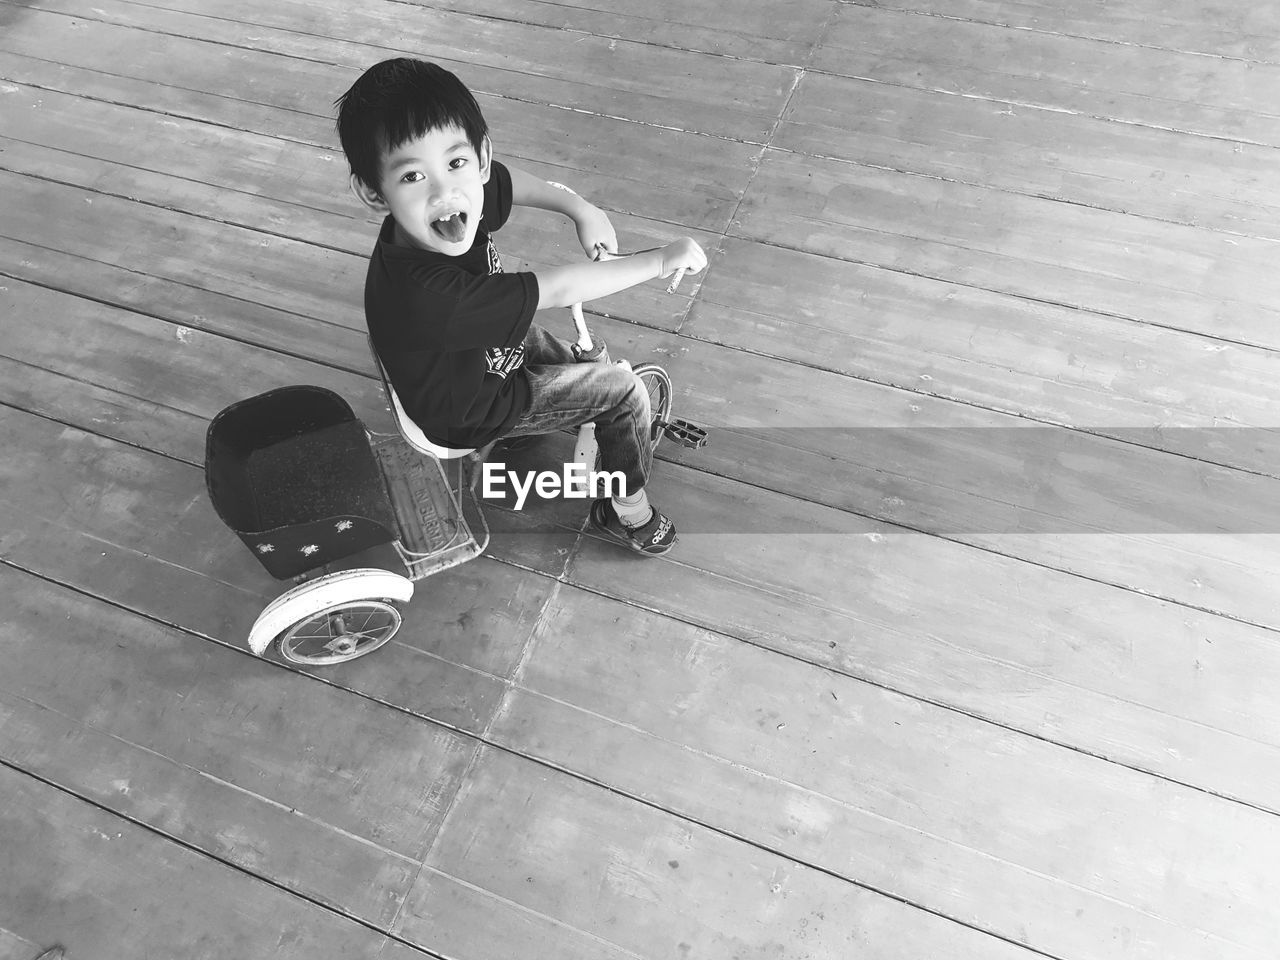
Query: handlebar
[{"x": 585, "y": 343}]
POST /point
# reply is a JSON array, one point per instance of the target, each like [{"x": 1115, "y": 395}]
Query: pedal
[{"x": 685, "y": 433}]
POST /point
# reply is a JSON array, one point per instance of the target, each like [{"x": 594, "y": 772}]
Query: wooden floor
[{"x": 969, "y": 648}]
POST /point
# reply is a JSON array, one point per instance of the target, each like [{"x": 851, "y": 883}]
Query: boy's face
[{"x": 434, "y": 187}]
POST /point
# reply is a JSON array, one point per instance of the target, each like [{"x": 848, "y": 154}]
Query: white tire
[{"x": 316, "y": 596}]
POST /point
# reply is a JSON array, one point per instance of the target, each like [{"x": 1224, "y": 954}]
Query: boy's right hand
[{"x": 684, "y": 255}]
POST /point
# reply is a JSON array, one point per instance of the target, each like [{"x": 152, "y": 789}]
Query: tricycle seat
[{"x": 292, "y": 473}]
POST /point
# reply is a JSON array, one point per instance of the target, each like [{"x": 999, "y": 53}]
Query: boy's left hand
[{"x": 595, "y": 232}]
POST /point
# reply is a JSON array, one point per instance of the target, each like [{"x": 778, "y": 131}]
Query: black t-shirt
[{"x": 450, "y": 330}]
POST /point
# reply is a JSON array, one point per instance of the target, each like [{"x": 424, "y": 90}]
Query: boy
[{"x": 453, "y": 331}]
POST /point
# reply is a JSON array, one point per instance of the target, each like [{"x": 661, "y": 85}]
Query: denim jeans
[{"x": 566, "y": 393}]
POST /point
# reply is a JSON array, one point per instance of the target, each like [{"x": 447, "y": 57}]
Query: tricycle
[{"x": 305, "y": 485}]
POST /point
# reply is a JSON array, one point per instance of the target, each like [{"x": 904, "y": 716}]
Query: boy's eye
[
  {"x": 413, "y": 176},
  {"x": 457, "y": 162}
]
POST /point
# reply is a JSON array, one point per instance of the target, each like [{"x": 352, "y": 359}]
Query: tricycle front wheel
[
  {"x": 658, "y": 385},
  {"x": 340, "y": 633}
]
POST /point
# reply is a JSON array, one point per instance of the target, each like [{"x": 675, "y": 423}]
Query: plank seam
[
  {"x": 613, "y": 36},
  {"x": 458, "y": 790},
  {"x": 1053, "y": 198},
  {"x": 760, "y": 643},
  {"x": 865, "y": 378},
  {"x": 729, "y": 234},
  {"x": 167, "y": 174},
  {"x": 800, "y": 73},
  {"x": 1029, "y": 298},
  {"x": 967, "y": 544},
  {"x": 172, "y": 86},
  {"x": 691, "y": 131},
  {"x": 75, "y": 426},
  {"x": 204, "y": 774},
  {"x": 188, "y": 322},
  {"x": 933, "y": 14},
  {"x": 329, "y": 63},
  {"x": 210, "y": 218},
  {"x": 987, "y": 407},
  {"x": 481, "y": 744},
  {"x": 755, "y": 162},
  {"x": 818, "y": 503},
  {"x": 1049, "y": 108},
  {"x": 530, "y": 911},
  {"x": 90, "y": 383},
  {"x": 211, "y": 856},
  {"x": 483, "y": 739}
]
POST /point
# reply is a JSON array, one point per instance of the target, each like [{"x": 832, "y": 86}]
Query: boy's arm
[
  {"x": 562, "y": 286},
  {"x": 579, "y": 282},
  {"x": 594, "y": 228}
]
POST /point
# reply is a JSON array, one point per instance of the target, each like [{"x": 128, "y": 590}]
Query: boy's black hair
[{"x": 397, "y": 100}]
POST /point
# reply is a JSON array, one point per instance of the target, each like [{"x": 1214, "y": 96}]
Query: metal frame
[{"x": 430, "y": 516}]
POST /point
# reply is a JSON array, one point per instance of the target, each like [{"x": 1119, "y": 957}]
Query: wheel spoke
[
  {"x": 658, "y": 387},
  {"x": 328, "y": 637}
]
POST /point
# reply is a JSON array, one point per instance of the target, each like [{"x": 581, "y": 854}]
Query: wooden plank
[
  {"x": 235, "y": 261},
  {"x": 211, "y": 692},
  {"x": 22, "y": 64},
  {"x": 540, "y": 540},
  {"x": 1247, "y": 32},
  {"x": 1213, "y": 97},
  {"x": 857, "y": 780},
  {"x": 649, "y": 885},
  {"x": 1002, "y": 612},
  {"x": 110, "y": 414},
  {"x": 1144, "y": 384},
  {"x": 886, "y": 607},
  {"x": 995, "y": 473},
  {"x": 771, "y": 465},
  {"x": 277, "y": 173},
  {"x": 169, "y": 365},
  {"x": 755, "y": 285},
  {"x": 1042, "y": 651},
  {"x": 177, "y": 299},
  {"x": 139, "y": 531},
  {"x": 235, "y": 757},
  {"x": 1197, "y": 180},
  {"x": 460, "y": 916},
  {"x": 105, "y": 888},
  {"x": 963, "y": 502},
  {"x": 749, "y": 29},
  {"x": 1164, "y": 274},
  {"x": 644, "y": 83},
  {"x": 298, "y": 277},
  {"x": 724, "y": 585},
  {"x": 1148, "y": 524},
  {"x": 91, "y": 386},
  {"x": 625, "y": 167},
  {"x": 753, "y": 457}
]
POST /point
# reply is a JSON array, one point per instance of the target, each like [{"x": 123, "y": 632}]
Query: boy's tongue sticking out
[{"x": 451, "y": 228}]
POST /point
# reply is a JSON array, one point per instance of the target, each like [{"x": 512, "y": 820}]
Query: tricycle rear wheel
[{"x": 340, "y": 633}]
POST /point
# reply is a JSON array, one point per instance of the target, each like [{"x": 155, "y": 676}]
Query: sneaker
[{"x": 652, "y": 539}]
